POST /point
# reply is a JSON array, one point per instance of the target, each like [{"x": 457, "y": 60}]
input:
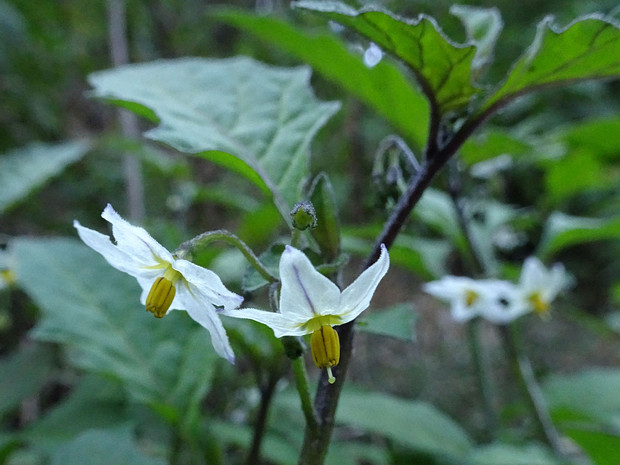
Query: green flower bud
[{"x": 303, "y": 215}]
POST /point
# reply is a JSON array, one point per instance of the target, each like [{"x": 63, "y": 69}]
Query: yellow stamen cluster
[
  {"x": 470, "y": 297},
  {"x": 7, "y": 276},
  {"x": 540, "y": 305},
  {"x": 325, "y": 347},
  {"x": 162, "y": 293}
]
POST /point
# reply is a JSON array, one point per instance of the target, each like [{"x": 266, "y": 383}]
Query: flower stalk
[{"x": 204, "y": 239}]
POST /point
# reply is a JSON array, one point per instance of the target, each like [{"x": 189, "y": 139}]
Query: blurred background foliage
[{"x": 64, "y": 391}]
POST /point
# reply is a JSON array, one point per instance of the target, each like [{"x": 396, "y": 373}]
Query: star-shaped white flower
[
  {"x": 168, "y": 283},
  {"x": 311, "y": 303},
  {"x": 493, "y": 299},
  {"x": 539, "y": 286}
]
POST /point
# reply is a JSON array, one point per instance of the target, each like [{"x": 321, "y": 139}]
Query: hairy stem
[
  {"x": 301, "y": 383},
  {"x": 119, "y": 51},
  {"x": 202, "y": 240}
]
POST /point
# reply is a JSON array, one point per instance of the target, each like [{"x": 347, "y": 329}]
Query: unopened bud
[{"x": 303, "y": 215}]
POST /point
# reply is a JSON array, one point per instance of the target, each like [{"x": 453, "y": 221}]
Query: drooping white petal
[
  {"x": 209, "y": 283},
  {"x": 201, "y": 311},
  {"x": 119, "y": 259},
  {"x": 305, "y": 292},
  {"x": 135, "y": 240},
  {"x": 356, "y": 297},
  {"x": 281, "y": 325}
]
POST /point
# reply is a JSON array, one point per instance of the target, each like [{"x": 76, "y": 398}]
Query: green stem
[
  {"x": 202, "y": 240},
  {"x": 531, "y": 390},
  {"x": 482, "y": 376},
  {"x": 303, "y": 389}
]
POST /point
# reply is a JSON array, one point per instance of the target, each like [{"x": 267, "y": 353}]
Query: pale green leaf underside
[
  {"x": 103, "y": 447},
  {"x": 23, "y": 170},
  {"x": 563, "y": 231},
  {"x": 95, "y": 311},
  {"x": 587, "y": 49},
  {"x": 256, "y": 119},
  {"x": 442, "y": 68},
  {"x": 383, "y": 87},
  {"x": 414, "y": 424}
]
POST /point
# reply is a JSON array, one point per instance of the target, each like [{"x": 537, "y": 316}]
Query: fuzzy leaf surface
[
  {"x": 384, "y": 87},
  {"x": 588, "y": 48},
  {"x": 25, "y": 169},
  {"x": 442, "y": 67},
  {"x": 251, "y": 118}
]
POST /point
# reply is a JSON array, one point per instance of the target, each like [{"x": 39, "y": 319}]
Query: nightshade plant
[{"x": 259, "y": 121}]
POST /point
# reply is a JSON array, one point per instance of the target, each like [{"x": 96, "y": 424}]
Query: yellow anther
[
  {"x": 470, "y": 297},
  {"x": 8, "y": 276},
  {"x": 540, "y": 306},
  {"x": 325, "y": 347},
  {"x": 162, "y": 293}
]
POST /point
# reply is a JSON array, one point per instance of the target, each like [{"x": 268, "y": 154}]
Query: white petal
[
  {"x": 135, "y": 241},
  {"x": 281, "y": 325},
  {"x": 533, "y": 274},
  {"x": 356, "y": 298},
  {"x": 201, "y": 311},
  {"x": 449, "y": 288},
  {"x": 305, "y": 292},
  {"x": 116, "y": 257},
  {"x": 209, "y": 284}
]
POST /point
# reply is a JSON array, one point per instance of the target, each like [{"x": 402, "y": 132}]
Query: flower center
[
  {"x": 7, "y": 276},
  {"x": 540, "y": 306},
  {"x": 162, "y": 292},
  {"x": 325, "y": 347},
  {"x": 470, "y": 297}
]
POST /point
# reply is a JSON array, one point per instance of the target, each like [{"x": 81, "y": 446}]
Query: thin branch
[
  {"x": 266, "y": 396},
  {"x": 117, "y": 39},
  {"x": 202, "y": 240},
  {"x": 523, "y": 370}
]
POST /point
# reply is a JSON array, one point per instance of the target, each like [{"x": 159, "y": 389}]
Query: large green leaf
[
  {"x": 23, "y": 170},
  {"x": 442, "y": 68},
  {"x": 22, "y": 374},
  {"x": 588, "y": 48},
  {"x": 94, "y": 402},
  {"x": 382, "y": 87},
  {"x": 104, "y": 447},
  {"x": 563, "y": 231},
  {"x": 508, "y": 454},
  {"x": 586, "y": 406},
  {"x": 414, "y": 424},
  {"x": 593, "y": 393},
  {"x": 252, "y": 118},
  {"x": 95, "y": 311},
  {"x": 395, "y": 321}
]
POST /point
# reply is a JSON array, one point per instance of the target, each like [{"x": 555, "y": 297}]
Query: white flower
[
  {"x": 539, "y": 286},
  {"x": 493, "y": 299},
  {"x": 311, "y": 303},
  {"x": 168, "y": 282}
]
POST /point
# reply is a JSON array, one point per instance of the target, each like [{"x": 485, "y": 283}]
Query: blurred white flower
[
  {"x": 312, "y": 304},
  {"x": 168, "y": 282},
  {"x": 492, "y": 299},
  {"x": 539, "y": 286}
]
